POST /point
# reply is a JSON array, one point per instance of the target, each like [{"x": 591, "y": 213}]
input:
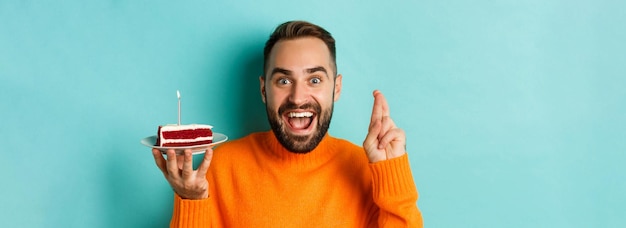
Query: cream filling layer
[{"x": 186, "y": 140}]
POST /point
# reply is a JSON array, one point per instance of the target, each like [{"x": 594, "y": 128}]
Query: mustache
[{"x": 290, "y": 106}]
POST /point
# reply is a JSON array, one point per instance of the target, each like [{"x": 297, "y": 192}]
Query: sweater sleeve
[
  {"x": 395, "y": 193},
  {"x": 190, "y": 213}
]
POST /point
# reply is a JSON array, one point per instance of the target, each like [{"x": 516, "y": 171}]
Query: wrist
[{"x": 193, "y": 196}]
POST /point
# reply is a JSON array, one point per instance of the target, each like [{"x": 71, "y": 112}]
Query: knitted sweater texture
[{"x": 255, "y": 182}]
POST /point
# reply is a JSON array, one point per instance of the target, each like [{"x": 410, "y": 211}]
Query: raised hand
[
  {"x": 384, "y": 140},
  {"x": 178, "y": 170}
]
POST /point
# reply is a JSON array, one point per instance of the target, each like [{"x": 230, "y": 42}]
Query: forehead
[{"x": 300, "y": 53}]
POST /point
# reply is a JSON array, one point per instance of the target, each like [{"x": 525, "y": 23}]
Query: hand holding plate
[{"x": 178, "y": 170}]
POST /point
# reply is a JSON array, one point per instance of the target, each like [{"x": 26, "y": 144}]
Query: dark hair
[{"x": 298, "y": 29}]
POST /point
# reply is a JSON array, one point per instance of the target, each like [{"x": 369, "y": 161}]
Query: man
[{"x": 297, "y": 175}]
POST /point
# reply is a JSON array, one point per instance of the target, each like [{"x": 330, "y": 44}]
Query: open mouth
[{"x": 299, "y": 122}]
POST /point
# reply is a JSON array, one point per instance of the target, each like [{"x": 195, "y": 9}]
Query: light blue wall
[{"x": 514, "y": 110}]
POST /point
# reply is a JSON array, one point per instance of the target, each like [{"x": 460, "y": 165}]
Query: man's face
[{"x": 299, "y": 91}]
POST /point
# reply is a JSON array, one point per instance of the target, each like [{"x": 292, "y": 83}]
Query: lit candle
[{"x": 178, "y": 95}]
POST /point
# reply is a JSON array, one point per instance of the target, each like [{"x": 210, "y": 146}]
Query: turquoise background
[{"x": 514, "y": 110}]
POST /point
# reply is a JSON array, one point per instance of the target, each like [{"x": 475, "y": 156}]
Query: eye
[
  {"x": 316, "y": 80},
  {"x": 284, "y": 81}
]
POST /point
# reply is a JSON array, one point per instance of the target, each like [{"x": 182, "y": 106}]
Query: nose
[{"x": 299, "y": 94}]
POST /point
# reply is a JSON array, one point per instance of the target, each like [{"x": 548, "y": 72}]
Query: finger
[
  {"x": 172, "y": 164},
  {"x": 180, "y": 159},
  {"x": 206, "y": 163},
  {"x": 187, "y": 163},
  {"x": 371, "y": 140},
  {"x": 386, "y": 125},
  {"x": 396, "y": 143},
  {"x": 389, "y": 137},
  {"x": 160, "y": 161},
  {"x": 381, "y": 108},
  {"x": 377, "y": 111}
]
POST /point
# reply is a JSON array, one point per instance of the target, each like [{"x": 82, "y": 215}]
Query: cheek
[
  {"x": 325, "y": 99},
  {"x": 272, "y": 101}
]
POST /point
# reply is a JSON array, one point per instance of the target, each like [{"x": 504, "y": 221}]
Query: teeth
[{"x": 300, "y": 114}]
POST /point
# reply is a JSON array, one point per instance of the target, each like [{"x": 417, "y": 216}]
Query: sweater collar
[{"x": 324, "y": 151}]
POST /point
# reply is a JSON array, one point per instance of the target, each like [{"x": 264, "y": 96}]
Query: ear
[
  {"x": 262, "y": 82},
  {"x": 337, "y": 87}
]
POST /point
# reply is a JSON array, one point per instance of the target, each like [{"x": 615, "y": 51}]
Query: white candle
[{"x": 178, "y": 95}]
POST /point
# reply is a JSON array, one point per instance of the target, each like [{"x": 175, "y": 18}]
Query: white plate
[{"x": 218, "y": 138}]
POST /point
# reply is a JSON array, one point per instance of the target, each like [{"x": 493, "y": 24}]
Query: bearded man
[{"x": 297, "y": 175}]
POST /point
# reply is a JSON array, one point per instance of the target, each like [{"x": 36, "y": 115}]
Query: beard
[{"x": 299, "y": 143}]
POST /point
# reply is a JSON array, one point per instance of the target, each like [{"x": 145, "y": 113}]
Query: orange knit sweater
[{"x": 255, "y": 182}]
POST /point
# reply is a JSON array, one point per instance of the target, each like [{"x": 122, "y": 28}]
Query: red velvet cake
[{"x": 173, "y": 135}]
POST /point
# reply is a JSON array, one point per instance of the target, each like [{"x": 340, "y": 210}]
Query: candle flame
[{"x": 178, "y": 94}]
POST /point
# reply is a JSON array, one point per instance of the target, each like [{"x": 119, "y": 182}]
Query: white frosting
[{"x": 176, "y": 127}]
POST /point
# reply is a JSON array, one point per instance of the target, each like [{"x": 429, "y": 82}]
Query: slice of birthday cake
[{"x": 173, "y": 135}]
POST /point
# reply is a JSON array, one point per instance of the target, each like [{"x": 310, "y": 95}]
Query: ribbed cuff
[
  {"x": 190, "y": 213},
  {"x": 393, "y": 178}
]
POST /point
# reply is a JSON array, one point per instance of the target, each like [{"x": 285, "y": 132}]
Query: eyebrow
[
  {"x": 308, "y": 71},
  {"x": 316, "y": 69},
  {"x": 280, "y": 70}
]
